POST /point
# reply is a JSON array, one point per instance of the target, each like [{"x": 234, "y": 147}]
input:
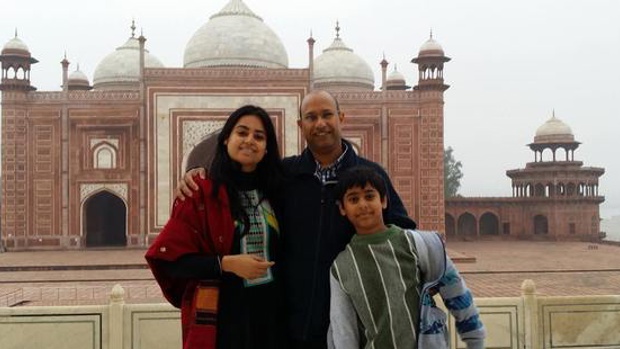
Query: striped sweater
[{"x": 379, "y": 298}]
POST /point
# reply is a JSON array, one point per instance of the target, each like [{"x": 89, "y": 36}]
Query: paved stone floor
[{"x": 491, "y": 269}]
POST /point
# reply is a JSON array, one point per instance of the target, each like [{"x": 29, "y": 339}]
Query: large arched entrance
[
  {"x": 489, "y": 224},
  {"x": 541, "y": 225},
  {"x": 467, "y": 225},
  {"x": 105, "y": 216}
]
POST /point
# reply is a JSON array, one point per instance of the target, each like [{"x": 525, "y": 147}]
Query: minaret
[
  {"x": 384, "y": 63},
  {"x": 430, "y": 62},
  {"x": 311, "y": 42},
  {"x": 16, "y": 61},
  {"x": 65, "y": 73}
]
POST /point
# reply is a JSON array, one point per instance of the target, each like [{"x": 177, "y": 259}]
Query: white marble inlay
[
  {"x": 195, "y": 130},
  {"x": 163, "y": 138},
  {"x": 119, "y": 189},
  {"x": 95, "y": 141}
]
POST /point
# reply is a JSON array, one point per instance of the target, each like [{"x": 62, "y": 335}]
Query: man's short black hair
[{"x": 359, "y": 176}]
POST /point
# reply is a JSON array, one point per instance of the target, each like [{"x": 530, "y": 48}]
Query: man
[{"x": 314, "y": 232}]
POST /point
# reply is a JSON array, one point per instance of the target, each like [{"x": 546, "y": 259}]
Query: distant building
[
  {"x": 96, "y": 165},
  {"x": 555, "y": 197}
]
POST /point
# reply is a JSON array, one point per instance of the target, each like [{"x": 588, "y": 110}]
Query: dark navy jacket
[{"x": 314, "y": 233}]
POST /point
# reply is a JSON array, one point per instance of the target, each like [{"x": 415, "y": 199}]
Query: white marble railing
[{"x": 529, "y": 321}]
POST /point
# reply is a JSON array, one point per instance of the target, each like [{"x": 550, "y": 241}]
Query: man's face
[
  {"x": 321, "y": 122},
  {"x": 364, "y": 207}
]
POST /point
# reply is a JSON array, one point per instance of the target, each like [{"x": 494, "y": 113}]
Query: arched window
[
  {"x": 20, "y": 73},
  {"x": 104, "y": 157},
  {"x": 11, "y": 73},
  {"x": 539, "y": 190}
]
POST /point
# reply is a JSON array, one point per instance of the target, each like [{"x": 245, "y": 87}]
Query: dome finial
[
  {"x": 431, "y": 35},
  {"x": 395, "y": 67},
  {"x": 337, "y": 29},
  {"x": 553, "y": 113},
  {"x": 133, "y": 28},
  {"x": 78, "y": 67},
  {"x": 15, "y": 31}
]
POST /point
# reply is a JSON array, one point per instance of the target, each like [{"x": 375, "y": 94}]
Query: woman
[{"x": 214, "y": 259}]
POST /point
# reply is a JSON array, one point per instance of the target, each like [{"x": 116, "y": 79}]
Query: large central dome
[{"x": 235, "y": 36}]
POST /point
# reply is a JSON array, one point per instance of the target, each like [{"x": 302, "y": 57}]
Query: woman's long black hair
[{"x": 268, "y": 171}]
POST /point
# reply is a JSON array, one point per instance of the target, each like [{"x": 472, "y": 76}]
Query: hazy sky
[{"x": 513, "y": 62}]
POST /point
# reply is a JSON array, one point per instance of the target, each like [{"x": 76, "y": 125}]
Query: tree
[{"x": 452, "y": 173}]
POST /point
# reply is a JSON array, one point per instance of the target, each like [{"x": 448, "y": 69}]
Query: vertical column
[
  {"x": 142, "y": 182},
  {"x": 385, "y": 161},
  {"x": 530, "y": 309},
  {"x": 64, "y": 159},
  {"x": 117, "y": 303},
  {"x": 310, "y": 62}
]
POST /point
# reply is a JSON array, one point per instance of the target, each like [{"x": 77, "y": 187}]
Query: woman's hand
[
  {"x": 246, "y": 266},
  {"x": 187, "y": 185}
]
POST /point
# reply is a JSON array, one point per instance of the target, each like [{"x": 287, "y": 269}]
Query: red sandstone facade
[{"x": 88, "y": 167}]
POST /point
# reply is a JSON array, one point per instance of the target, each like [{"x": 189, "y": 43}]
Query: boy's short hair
[{"x": 359, "y": 176}]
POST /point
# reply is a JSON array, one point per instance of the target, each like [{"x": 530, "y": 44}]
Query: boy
[{"x": 382, "y": 283}]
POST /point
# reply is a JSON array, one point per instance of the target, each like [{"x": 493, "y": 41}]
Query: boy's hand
[
  {"x": 246, "y": 266},
  {"x": 187, "y": 185}
]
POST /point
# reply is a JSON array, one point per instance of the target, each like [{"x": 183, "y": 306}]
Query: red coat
[{"x": 200, "y": 224}]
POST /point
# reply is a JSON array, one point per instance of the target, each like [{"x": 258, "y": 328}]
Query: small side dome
[
  {"x": 235, "y": 37},
  {"x": 121, "y": 68},
  {"x": 16, "y": 46},
  {"x": 78, "y": 81},
  {"x": 431, "y": 48},
  {"x": 396, "y": 81},
  {"x": 339, "y": 68},
  {"x": 554, "y": 131}
]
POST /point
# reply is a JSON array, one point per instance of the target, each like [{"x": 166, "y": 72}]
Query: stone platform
[{"x": 491, "y": 269}]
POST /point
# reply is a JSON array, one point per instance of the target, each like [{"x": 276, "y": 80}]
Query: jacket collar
[{"x": 307, "y": 163}]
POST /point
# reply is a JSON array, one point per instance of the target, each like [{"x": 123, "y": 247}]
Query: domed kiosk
[{"x": 16, "y": 61}]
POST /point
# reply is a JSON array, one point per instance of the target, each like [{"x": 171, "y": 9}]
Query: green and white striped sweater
[
  {"x": 381, "y": 294},
  {"x": 386, "y": 298}
]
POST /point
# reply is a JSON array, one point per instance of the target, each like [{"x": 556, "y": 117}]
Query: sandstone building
[
  {"x": 95, "y": 165},
  {"x": 553, "y": 198}
]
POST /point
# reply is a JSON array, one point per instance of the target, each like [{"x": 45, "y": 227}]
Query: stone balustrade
[{"x": 530, "y": 321}]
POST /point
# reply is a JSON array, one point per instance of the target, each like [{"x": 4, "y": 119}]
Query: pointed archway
[
  {"x": 105, "y": 217},
  {"x": 467, "y": 225},
  {"x": 489, "y": 224}
]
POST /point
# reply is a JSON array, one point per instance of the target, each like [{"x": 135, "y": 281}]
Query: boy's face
[{"x": 364, "y": 209}]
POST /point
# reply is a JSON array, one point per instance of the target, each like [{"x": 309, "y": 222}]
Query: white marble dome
[
  {"x": 395, "y": 76},
  {"x": 431, "y": 48},
  {"x": 338, "y": 67},
  {"x": 15, "y": 44},
  {"x": 78, "y": 76},
  {"x": 396, "y": 81},
  {"x": 121, "y": 68},
  {"x": 235, "y": 36},
  {"x": 78, "y": 81},
  {"x": 554, "y": 131}
]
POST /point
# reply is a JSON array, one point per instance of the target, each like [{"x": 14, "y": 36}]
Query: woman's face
[{"x": 247, "y": 143}]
